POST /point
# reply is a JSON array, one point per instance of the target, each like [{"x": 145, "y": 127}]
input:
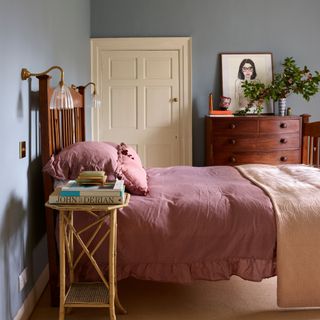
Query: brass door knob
[{"x": 175, "y": 99}]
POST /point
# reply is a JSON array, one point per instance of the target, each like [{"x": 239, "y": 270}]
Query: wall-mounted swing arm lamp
[
  {"x": 95, "y": 101},
  {"x": 61, "y": 97},
  {"x": 94, "y": 105}
]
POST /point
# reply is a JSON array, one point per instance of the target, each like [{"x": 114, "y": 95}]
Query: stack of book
[
  {"x": 112, "y": 192},
  {"x": 91, "y": 177},
  {"x": 221, "y": 113}
]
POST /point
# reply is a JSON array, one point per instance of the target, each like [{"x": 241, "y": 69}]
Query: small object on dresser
[
  {"x": 91, "y": 177},
  {"x": 289, "y": 112},
  {"x": 224, "y": 102},
  {"x": 210, "y": 103}
]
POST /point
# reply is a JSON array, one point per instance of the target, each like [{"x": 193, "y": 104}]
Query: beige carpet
[{"x": 235, "y": 299}]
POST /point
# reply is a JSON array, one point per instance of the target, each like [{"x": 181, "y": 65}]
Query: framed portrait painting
[{"x": 238, "y": 67}]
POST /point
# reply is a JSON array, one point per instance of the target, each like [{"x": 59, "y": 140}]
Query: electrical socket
[
  {"x": 22, "y": 149},
  {"x": 23, "y": 278}
]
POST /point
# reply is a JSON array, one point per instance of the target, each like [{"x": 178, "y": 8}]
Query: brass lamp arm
[
  {"x": 26, "y": 74},
  {"x": 89, "y": 83},
  {"x": 94, "y": 86}
]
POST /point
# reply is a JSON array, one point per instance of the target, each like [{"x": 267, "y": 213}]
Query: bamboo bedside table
[{"x": 88, "y": 294}]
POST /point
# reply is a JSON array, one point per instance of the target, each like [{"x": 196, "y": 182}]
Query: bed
[{"x": 183, "y": 223}]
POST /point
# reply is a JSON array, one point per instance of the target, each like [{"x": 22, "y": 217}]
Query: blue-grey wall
[
  {"x": 40, "y": 33},
  {"x": 35, "y": 34},
  {"x": 283, "y": 27}
]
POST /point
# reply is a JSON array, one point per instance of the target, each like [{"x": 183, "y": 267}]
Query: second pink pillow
[{"x": 130, "y": 169}]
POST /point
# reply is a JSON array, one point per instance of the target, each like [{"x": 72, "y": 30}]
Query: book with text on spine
[
  {"x": 55, "y": 197},
  {"x": 111, "y": 188}
]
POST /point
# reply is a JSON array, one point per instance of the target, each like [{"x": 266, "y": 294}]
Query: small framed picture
[{"x": 239, "y": 67}]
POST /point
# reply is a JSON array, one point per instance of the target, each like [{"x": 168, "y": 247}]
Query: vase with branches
[{"x": 293, "y": 79}]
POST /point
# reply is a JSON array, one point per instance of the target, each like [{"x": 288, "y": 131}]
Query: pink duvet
[{"x": 195, "y": 223}]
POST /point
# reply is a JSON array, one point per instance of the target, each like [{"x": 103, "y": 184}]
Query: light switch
[{"x": 22, "y": 149}]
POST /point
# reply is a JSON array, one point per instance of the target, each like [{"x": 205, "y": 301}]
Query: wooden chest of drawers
[{"x": 253, "y": 139}]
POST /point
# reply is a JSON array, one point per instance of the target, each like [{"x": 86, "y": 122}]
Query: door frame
[{"x": 181, "y": 44}]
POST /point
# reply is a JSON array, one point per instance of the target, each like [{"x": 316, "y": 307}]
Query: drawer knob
[
  {"x": 233, "y": 141},
  {"x": 233, "y": 159},
  {"x": 284, "y": 158},
  {"x": 232, "y": 126},
  {"x": 283, "y": 140},
  {"x": 283, "y": 125}
]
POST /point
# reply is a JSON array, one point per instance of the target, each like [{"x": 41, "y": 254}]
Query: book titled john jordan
[
  {"x": 56, "y": 197},
  {"x": 113, "y": 188}
]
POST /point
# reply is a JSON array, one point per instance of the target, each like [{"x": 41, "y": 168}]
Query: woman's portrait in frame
[{"x": 236, "y": 68}]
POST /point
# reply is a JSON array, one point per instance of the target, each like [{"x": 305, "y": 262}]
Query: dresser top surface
[{"x": 255, "y": 117}]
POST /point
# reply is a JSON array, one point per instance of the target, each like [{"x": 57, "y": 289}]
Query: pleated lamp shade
[
  {"x": 61, "y": 98},
  {"x": 95, "y": 101}
]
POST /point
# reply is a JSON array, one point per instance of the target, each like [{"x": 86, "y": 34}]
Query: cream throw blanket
[{"x": 295, "y": 193}]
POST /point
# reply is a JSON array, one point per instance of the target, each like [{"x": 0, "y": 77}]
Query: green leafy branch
[{"x": 293, "y": 79}]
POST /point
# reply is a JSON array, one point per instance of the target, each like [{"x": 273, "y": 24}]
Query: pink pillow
[
  {"x": 88, "y": 155},
  {"x": 129, "y": 168}
]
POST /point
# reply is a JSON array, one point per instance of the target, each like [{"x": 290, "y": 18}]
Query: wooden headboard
[{"x": 58, "y": 129}]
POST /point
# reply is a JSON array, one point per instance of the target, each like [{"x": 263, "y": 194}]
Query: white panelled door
[{"x": 143, "y": 103}]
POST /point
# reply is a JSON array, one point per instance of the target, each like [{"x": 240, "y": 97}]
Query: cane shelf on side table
[{"x": 86, "y": 294}]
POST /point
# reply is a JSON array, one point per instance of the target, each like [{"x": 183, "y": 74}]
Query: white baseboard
[{"x": 30, "y": 302}]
